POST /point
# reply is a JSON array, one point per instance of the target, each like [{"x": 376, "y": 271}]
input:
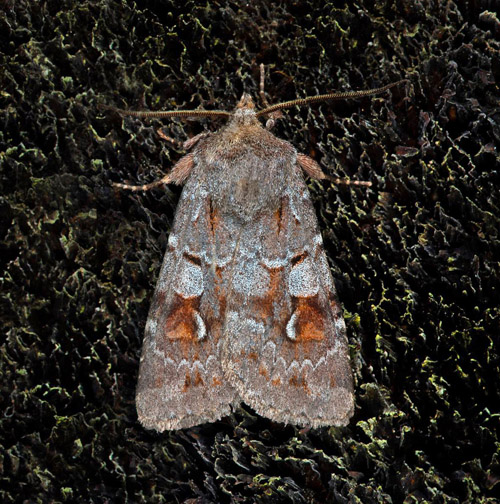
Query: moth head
[
  {"x": 245, "y": 102},
  {"x": 244, "y": 113}
]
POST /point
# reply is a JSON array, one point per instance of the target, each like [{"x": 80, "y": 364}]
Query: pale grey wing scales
[
  {"x": 181, "y": 383},
  {"x": 285, "y": 348}
]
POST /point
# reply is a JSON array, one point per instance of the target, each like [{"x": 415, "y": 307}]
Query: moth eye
[
  {"x": 192, "y": 258},
  {"x": 297, "y": 259}
]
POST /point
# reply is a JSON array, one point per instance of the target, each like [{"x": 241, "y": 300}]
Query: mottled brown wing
[
  {"x": 181, "y": 383},
  {"x": 285, "y": 348}
]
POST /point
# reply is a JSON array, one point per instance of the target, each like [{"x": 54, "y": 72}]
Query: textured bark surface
[{"x": 414, "y": 257}]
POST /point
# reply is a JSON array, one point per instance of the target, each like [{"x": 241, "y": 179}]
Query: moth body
[{"x": 245, "y": 307}]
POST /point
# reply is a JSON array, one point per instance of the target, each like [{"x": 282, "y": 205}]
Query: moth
[{"x": 245, "y": 308}]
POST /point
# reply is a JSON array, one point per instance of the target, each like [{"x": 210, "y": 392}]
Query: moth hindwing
[{"x": 245, "y": 308}]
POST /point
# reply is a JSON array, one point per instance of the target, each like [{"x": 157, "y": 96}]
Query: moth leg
[
  {"x": 179, "y": 173},
  {"x": 172, "y": 141},
  {"x": 188, "y": 144},
  {"x": 310, "y": 166},
  {"x": 314, "y": 170},
  {"x": 273, "y": 116}
]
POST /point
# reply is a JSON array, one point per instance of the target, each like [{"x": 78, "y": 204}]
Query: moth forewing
[
  {"x": 181, "y": 382},
  {"x": 285, "y": 349}
]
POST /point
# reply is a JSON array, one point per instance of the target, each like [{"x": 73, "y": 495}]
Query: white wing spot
[
  {"x": 188, "y": 282},
  {"x": 290, "y": 327},
  {"x": 200, "y": 326},
  {"x": 303, "y": 281},
  {"x": 173, "y": 241}
]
